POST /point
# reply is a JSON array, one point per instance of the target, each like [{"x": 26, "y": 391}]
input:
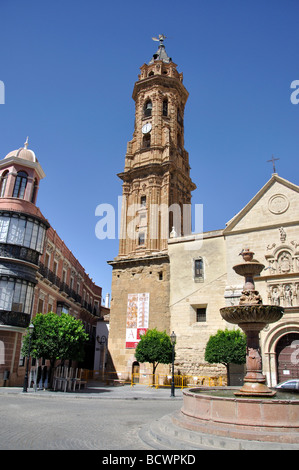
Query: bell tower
[
  {"x": 156, "y": 201},
  {"x": 156, "y": 182}
]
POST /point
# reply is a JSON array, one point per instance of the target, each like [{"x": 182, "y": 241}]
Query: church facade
[
  {"x": 167, "y": 278},
  {"x": 269, "y": 226}
]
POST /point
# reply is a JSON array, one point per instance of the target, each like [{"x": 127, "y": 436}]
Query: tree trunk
[{"x": 154, "y": 371}]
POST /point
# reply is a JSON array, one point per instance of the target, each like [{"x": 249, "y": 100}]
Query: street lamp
[
  {"x": 173, "y": 340},
  {"x": 103, "y": 343},
  {"x": 30, "y": 328}
]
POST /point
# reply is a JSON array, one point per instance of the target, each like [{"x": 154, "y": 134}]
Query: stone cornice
[{"x": 160, "y": 81}]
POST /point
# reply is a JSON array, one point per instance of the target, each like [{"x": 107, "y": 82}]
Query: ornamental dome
[{"x": 24, "y": 153}]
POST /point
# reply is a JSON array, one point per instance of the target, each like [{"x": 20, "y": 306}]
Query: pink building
[{"x": 38, "y": 273}]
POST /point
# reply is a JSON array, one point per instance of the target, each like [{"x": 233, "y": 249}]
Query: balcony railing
[
  {"x": 11, "y": 318},
  {"x": 19, "y": 252},
  {"x": 64, "y": 287}
]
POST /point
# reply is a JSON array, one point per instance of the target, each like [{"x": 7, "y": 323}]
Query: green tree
[
  {"x": 56, "y": 337},
  {"x": 226, "y": 347},
  {"x": 154, "y": 347}
]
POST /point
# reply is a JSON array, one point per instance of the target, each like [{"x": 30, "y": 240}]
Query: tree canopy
[
  {"x": 226, "y": 347},
  {"x": 154, "y": 347},
  {"x": 56, "y": 337}
]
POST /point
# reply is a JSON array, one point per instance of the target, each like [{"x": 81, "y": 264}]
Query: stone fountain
[
  {"x": 252, "y": 316},
  {"x": 253, "y": 416}
]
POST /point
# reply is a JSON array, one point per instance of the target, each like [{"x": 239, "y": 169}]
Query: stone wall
[{"x": 146, "y": 275}]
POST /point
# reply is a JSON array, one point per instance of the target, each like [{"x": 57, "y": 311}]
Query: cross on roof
[{"x": 273, "y": 160}]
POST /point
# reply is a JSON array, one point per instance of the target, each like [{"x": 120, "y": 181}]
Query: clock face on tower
[{"x": 146, "y": 128}]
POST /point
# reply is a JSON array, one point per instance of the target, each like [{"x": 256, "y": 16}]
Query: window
[
  {"x": 21, "y": 231},
  {"x": 165, "y": 108},
  {"x": 40, "y": 307},
  {"x": 148, "y": 108},
  {"x": 141, "y": 238},
  {"x": 55, "y": 267},
  {"x": 16, "y": 231},
  {"x": 34, "y": 191},
  {"x": 3, "y": 183},
  {"x": 62, "y": 308},
  {"x": 198, "y": 269},
  {"x": 47, "y": 260},
  {"x": 146, "y": 141},
  {"x": 4, "y": 224},
  {"x": 20, "y": 185},
  {"x": 201, "y": 314},
  {"x": 143, "y": 201},
  {"x": 16, "y": 295}
]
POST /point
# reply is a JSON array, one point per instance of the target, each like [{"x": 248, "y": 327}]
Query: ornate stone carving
[
  {"x": 284, "y": 293},
  {"x": 284, "y": 262},
  {"x": 278, "y": 204},
  {"x": 282, "y": 258}
]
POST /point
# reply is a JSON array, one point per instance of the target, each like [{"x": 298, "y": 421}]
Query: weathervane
[
  {"x": 273, "y": 160},
  {"x": 161, "y": 39}
]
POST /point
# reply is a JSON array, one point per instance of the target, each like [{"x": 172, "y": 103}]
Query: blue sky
[{"x": 69, "y": 69}]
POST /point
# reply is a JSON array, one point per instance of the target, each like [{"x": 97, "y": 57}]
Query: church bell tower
[
  {"x": 156, "y": 182},
  {"x": 156, "y": 204}
]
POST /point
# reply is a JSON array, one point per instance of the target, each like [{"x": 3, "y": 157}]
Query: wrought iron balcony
[
  {"x": 64, "y": 287},
  {"x": 18, "y": 252},
  {"x": 11, "y": 318}
]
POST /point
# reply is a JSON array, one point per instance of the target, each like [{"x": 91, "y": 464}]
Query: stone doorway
[
  {"x": 135, "y": 371},
  {"x": 287, "y": 356}
]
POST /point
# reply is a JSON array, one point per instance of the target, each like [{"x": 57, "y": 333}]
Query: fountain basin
[
  {"x": 255, "y": 419},
  {"x": 250, "y": 268},
  {"x": 240, "y": 314}
]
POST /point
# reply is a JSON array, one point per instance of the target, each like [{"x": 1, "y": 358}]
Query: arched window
[
  {"x": 3, "y": 183},
  {"x": 20, "y": 185},
  {"x": 148, "y": 108}
]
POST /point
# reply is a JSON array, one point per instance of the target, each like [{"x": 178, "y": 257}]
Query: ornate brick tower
[{"x": 156, "y": 200}]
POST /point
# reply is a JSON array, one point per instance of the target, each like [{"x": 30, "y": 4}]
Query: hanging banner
[{"x": 137, "y": 318}]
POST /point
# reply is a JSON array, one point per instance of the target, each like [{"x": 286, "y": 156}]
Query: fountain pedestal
[
  {"x": 254, "y": 380},
  {"x": 252, "y": 316}
]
